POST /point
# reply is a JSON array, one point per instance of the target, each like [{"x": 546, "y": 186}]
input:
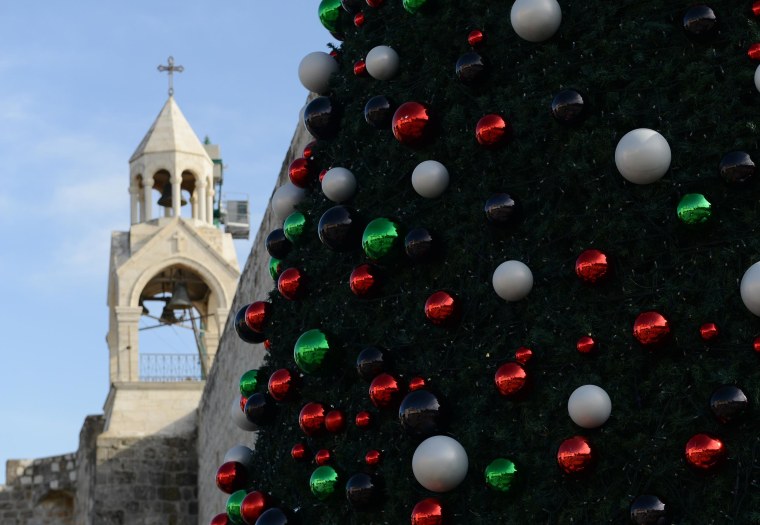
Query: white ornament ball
[
  {"x": 241, "y": 454},
  {"x": 750, "y": 288},
  {"x": 285, "y": 199},
  {"x": 589, "y": 406},
  {"x": 440, "y": 463},
  {"x": 382, "y": 63},
  {"x": 339, "y": 184},
  {"x": 512, "y": 280},
  {"x": 757, "y": 78},
  {"x": 238, "y": 417},
  {"x": 642, "y": 156},
  {"x": 430, "y": 179},
  {"x": 314, "y": 71},
  {"x": 535, "y": 20}
]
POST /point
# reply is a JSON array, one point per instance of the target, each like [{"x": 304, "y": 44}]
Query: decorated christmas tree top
[{"x": 516, "y": 292}]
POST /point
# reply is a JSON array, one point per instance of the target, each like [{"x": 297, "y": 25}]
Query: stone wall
[
  {"x": 217, "y": 433},
  {"x": 39, "y": 491}
]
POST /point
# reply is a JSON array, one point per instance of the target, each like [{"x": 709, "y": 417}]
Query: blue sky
[{"x": 78, "y": 90}]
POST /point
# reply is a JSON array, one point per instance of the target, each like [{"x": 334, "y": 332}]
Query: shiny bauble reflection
[
  {"x": 339, "y": 229},
  {"x": 471, "y": 69},
  {"x": 568, "y": 107},
  {"x": 322, "y": 118},
  {"x": 737, "y": 167},
  {"x": 378, "y": 112}
]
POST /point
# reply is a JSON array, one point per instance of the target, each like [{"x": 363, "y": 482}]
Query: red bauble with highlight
[
  {"x": 492, "y": 131},
  {"x": 220, "y": 519},
  {"x": 292, "y": 284},
  {"x": 754, "y": 52},
  {"x": 253, "y": 506},
  {"x": 363, "y": 420},
  {"x": 312, "y": 418},
  {"x": 365, "y": 280},
  {"x": 243, "y": 401},
  {"x": 374, "y": 3},
  {"x": 705, "y": 452},
  {"x": 257, "y": 315},
  {"x": 709, "y": 332},
  {"x": 385, "y": 391},
  {"x": 360, "y": 70},
  {"x": 335, "y": 421},
  {"x": 299, "y": 452},
  {"x": 510, "y": 379},
  {"x": 442, "y": 308},
  {"x": 308, "y": 150},
  {"x": 428, "y": 512},
  {"x": 231, "y": 476},
  {"x": 476, "y": 37},
  {"x": 651, "y": 329},
  {"x": 359, "y": 19},
  {"x": 592, "y": 266},
  {"x": 411, "y": 124},
  {"x": 373, "y": 458},
  {"x": 417, "y": 383},
  {"x": 322, "y": 457},
  {"x": 281, "y": 385},
  {"x": 523, "y": 355},
  {"x": 299, "y": 172},
  {"x": 586, "y": 345},
  {"x": 575, "y": 455}
]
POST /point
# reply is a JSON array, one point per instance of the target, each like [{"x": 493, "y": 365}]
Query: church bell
[
  {"x": 166, "y": 197},
  {"x": 180, "y": 299}
]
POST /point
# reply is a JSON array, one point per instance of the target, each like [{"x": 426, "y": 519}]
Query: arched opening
[{"x": 56, "y": 506}]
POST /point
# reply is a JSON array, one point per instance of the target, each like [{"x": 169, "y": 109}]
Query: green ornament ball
[
  {"x": 501, "y": 474},
  {"x": 381, "y": 238},
  {"x": 323, "y": 482},
  {"x": 329, "y": 14},
  {"x": 414, "y": 5},
  {"x": 234, "y": 504},
  {"x": 294, "y": 226},
  {"x": 248, "y": 382},
  {"x": 311, "y": 351},
  {"x": 694, "y": 208},
  {"x": 275, "y": 267}
]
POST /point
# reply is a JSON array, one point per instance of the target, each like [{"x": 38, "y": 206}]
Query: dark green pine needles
[{"x": 636, "y": 68}]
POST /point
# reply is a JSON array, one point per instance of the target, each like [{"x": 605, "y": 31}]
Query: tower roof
[{"x": 170, "y": 132}]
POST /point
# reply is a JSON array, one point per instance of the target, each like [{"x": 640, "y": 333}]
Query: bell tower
[{"x": 175, "y": 267}]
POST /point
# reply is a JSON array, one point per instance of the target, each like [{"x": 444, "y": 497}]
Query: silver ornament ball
[
  {"x": 589, "y": 406},
  {"x": 339, "y": 185},
  {"x": 285, "y": 200},
  {"x": 430, "y": 179},
  {"x": 440, "y": 463},
  {"x": 750, "y": 289},
  {"x": 382, "y": 62},
  {"x": 535, "y": 20},
  {"x": 512, "y": 280},
  {"x": 314, "y": 71},
  {"x": 241, "y": 454},
  {"x": 238, "y": 417},
  {"x": 642, "y": 156}
]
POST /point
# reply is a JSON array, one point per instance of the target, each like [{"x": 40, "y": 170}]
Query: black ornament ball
[
  {"x": 649, "y": 510},
  {"x": 737, "y": 167},
  {"x": 700, "y": 23},
  {"x": 378, "y": 112},
  {"x": 352, "y": 6},
  {"x": 568, "y": 107},
  {"x": 322, "y": 118},
  {"x": 421, "y": 414},
  {"x": 728, "y": 403},
  {"x": 419, "y": 245},
  {"x": 277, "y": 244},
  {"x": 243, "y": 331},
  {"x": 339, "y": 229},
  {"x": 471, "y": 69},
  {"x": 371, "y": 362},
  {"x": 362, "y": 491},
  {"x": 259, "y": 409},
  {"x": 273, "y": 516},
  {"x": 502, "y": 209}
]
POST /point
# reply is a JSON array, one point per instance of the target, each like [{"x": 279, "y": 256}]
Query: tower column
[
  {"x": 200, "y": 188},
  {"x": 194, "y": 203},
  {"x": 127, "y": 347},
  {"x": 210, "y": 205},
  {"x": 176, "y": 179},
  {"x": 147, "y": 209},
  {"x": 134, "y": 194}
]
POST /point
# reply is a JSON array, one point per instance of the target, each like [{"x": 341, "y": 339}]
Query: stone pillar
[
  {"x": 194, "y": 204},
  {"x": 134, "y": 192},
  {"x": 176, "y": 179},
  {"x": 147, "y": 209},
  {"x": 200, "y": 189},
  {"x": 210, "y": 205},
  {"x": 128, "y": 354}
]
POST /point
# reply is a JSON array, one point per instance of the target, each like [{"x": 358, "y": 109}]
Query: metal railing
[{"x": 170, "y": 367}]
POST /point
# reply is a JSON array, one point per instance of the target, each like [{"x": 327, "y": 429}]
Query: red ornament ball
[
  {"x": 253, "y": 506},
  {"x": 754, "y": 51},
  {"x": 705, "y": 452},
  {"x": 308, "y": 150},
  {"x": 267, "y": 344},
  {"x": 492, "y": 131},
  {"x": 385, "y": 391},
  {"x": 299, "y": 172},
  {"x": 586, "y": 345},
  {"x": 523, "y": 355},
  {"x": 220, "y": 519},
  {"x": 709, "y": 332},
  {"x": 312, "y": 418},
  {"x": 417, "y": 383},
  {"x": 363, "y": 419},
  {"x": 373, "y": 457},
  {"x": 243, "y": 401},
  {"x": 651, "y": 329},
  {"x": 257, "y": 315},
  {"x": 292, "y": 284},
  {"x": 360, "y": 70},
  {"x": 322, "y": 174},
  {"x": 298, "y": 452},
  {"x": 281, "y": 384},
  {"x": 365, "y": 280},
  {"x": 231, "y": 477},
  {"x": 756, "y": 8},
  {"x": 756, "y": 345},
  {"x": 592, "y": 266},
  {"x": 323, "y": 457},
  {"x": 475, "y": 37},
  {"x": 428, "y": 512},
  {"x": 335, "y": 421},
  {"x": 575, "y": 455},
  {"x": 374, "y": 3},
  {"x": 510, "y": 379},
  {"x": 359, "y": 19},
  {"x": 442, "y": 308},
  {"x": 411, "y": 124}
]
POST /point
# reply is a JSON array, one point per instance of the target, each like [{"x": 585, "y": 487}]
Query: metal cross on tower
[{"x": 171, "y": 68}]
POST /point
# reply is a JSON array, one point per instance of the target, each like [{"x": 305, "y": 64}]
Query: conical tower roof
[{"x": 170, "y": 132}]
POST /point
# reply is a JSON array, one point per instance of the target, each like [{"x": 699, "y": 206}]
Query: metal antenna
[{"x": 171, "y": 68}]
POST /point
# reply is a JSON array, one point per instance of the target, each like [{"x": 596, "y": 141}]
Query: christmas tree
[{"x": 521, "y": 292}]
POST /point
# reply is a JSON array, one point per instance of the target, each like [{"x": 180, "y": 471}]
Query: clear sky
[{"x": 78, "y": 90}]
